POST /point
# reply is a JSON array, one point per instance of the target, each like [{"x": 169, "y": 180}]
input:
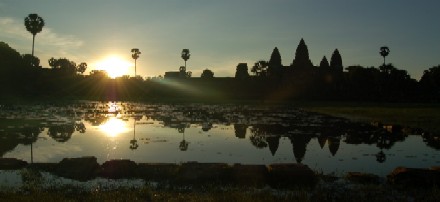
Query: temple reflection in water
[{"x": 191, "y": 127}]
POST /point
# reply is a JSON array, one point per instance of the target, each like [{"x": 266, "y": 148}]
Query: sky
[{"x": 222, "y": 33}]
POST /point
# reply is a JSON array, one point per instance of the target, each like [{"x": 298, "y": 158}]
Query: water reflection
[
  {"x": 61, "y": 133},
  {"x": 183, "y": 146},
  {"x": 240, "y": 130},
  {"x": 113, "y": 126},
  {"x": 265, "y": 128},
  {"x": 133, "y": 143}
]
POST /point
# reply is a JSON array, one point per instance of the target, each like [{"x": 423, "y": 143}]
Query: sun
[{"x": 114, "y": 66}]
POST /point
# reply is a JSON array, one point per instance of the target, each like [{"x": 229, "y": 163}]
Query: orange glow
[
  {"x": 114, "y": 65},
  {"x": 113, "y": 127}
]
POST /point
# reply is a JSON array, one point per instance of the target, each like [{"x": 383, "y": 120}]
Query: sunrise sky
[{"x": 222, "y": 33}]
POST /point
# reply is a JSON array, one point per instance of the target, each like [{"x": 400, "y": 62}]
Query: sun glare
[
  {"x": 113, "y": 127},
  {"x": 114, "y": 66}
]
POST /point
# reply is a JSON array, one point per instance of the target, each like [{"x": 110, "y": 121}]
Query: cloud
[
  {"x": 46, "y": 151},
  {"x": 48, "y": 42},
  {"x": 9, "y": 29}
]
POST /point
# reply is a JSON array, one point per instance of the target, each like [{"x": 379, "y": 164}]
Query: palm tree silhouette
[
  {"x": 34, "y": 24},
  {"x": 185, "y": 55},
  {"x": 135, "y": 56},
  {"x": 384, "y": 51}
]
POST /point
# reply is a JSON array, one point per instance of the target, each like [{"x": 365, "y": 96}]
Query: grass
[
  {"x": 34, "y": 189},
  {"x": 336, "y": 192},
  {"x": 147, "y": 194},
  {"x": 425, "y": 116}
]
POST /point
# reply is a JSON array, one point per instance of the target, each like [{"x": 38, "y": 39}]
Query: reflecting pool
[{"x": 245, "y": 134}]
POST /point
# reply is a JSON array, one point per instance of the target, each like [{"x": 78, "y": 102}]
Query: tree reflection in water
[
  {"x": 267, "y": 125},
  {"x": 133, "y": 143},
  {"x": 61, "y": 133},
  {"x": 183, "y": 146}
]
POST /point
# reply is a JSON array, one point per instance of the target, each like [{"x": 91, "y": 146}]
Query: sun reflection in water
[
  {"x": 113, "y": 127},
  {"x": 113, "y": 108}
]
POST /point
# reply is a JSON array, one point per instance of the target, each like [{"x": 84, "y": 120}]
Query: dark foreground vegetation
[
  {"x": 22, "y": 78},
  {"x": 352, "y": 192},
  {"x": 215, "y": 182}
]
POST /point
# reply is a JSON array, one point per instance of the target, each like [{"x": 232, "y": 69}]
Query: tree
[
  {"x": 362, "y": 81},
  {"x": 387, "y": 69},
  {"x": 260, "y": 68},
  {"x": 99, "y": 73},
  {"x": 182, "y": 72},
  {"x": 430, "y": 81},
  {"x": 182, "y": 69},
  {"x": 81, "y": 68},
  {"x": 135, "y": 55},
  {"x": 52, "y": 62},
  {"x": 396, "y": 84},
  {"x": 185, "y": 55},
  {"x": 30, "y": 61},
  {"x": 67, "y": 65},
  {"x": 384, "y": 51},
  {"x": 61, "y": 133},
  {"x": 302, "y": 59},
  {"x": 207, "y": 74},
  {"x": 34, "y": 24},
  {"x": 336, "y": 61},
  {"x": 9, "y": 57},
  {"x": 64, "y": 65},
  {"x": 241, "y": 71},
  {"x": 257, "y": 139}
]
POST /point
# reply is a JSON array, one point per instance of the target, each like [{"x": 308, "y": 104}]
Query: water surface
[{"x": 246, "y": 134}]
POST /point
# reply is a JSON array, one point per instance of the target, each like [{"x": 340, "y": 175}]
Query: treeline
[{"x": 22, "y": 78}]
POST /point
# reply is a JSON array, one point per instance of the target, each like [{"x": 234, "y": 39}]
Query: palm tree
[
  {"x": 135, "y": 56},
  {"x": 384, "y": 51},
  {"x": 185, "y": 55},
  {"x": 34, "y": 24}
]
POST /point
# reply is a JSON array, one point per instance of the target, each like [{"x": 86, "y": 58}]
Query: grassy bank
[
  {"x": 326, "y": 191},
  {"x": 425, "y": 116}
]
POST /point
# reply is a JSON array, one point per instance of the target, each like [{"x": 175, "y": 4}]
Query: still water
[{"x": 246, "y": 134}]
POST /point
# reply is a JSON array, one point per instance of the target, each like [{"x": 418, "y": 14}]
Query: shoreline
[
  {"x": 276, "y": 175},
  {"x": 208, "y": 182}
]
